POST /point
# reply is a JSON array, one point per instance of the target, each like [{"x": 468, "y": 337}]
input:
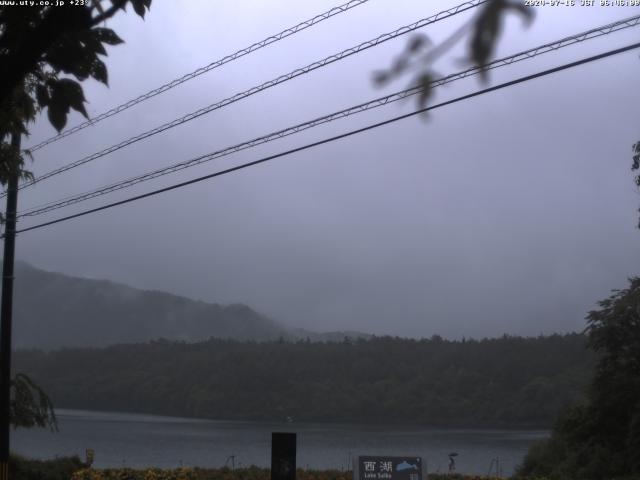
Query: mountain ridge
[{"x": 54, "y": 310}]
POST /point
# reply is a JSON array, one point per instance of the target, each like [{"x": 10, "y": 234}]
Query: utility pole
[{"x": 6, "y": 309}]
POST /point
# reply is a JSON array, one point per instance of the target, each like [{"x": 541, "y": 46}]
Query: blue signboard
[{"x": 389, "y": 468}]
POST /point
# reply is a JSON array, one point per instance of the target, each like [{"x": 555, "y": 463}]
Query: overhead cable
[
  {"x": 378, "y": 102},
  {"x": 526, "y": 78},
  {"x": 252, "y": 91},
  {"x": 207, "y": 68}
]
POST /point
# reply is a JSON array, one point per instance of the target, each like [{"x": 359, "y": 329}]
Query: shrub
[{"x": 62, "y": 468}]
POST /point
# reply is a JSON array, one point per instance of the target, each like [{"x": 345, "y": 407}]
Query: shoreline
[{"x": 164, "y": 418}]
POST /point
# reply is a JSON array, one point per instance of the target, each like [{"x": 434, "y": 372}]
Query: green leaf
[
  {"x": 28, "y": 153},
  {"x": 99, "y": 71},
  {"x": 400, "y": 65},
  {"x": 57, "y": 116},
  {"x": 92, "y": 41},
  {"x": 30, "y": 406},
  {"x": 72, "y": 57},
  {"x": 524, "y": 11},
  {"x": 65, "y": 94},
  {"x": 381, "y": 77},
  {"x": 488, "y": 27},
  {"x": 416, "y": 42},
  {"x": 98, "y": 6},
  {"x": 108, "y": 36},
  {"x": 70, "y": 93},
  {"x": 426, "y": 91},
  {"x": 42, "y": 95},
  {"x": 122, "y": 5},
  {"x": 140, "y": 6}
]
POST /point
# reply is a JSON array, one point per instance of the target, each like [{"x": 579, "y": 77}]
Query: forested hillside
[
  {"x": 53, "y": 310},
  {"x": 509, "y": 381}
]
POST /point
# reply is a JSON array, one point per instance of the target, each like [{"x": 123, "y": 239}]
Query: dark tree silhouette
[
  {"x": 45, "y": 51},
  {"x": 30, "y": 405},
  {"x": 600, "y": 438},
  {"x": 41, "y": 48}
]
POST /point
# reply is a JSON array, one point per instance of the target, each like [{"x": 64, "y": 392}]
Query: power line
[
  {"x": 527, "y": 54},
  {"x": 338, "y": 137},
  {"x": 271, "y": 83},
  {"x": 207, "y": 68}
]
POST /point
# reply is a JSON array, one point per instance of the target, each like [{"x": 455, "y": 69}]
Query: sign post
[
  {"x": 388, "y": 468},
  {"x": 283, "y": 456}
]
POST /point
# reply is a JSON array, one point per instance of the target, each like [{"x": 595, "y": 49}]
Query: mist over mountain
[{"x": 53, "y": 310}]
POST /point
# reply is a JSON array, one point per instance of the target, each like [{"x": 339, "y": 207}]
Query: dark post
[
  {"x": 283, "y": 456},
  {"x": 5, "y": 311}
]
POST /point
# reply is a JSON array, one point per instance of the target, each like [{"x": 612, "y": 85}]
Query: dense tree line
[
  {"x": 600, "y": 437},
  {"x": 507, "y": 381}
]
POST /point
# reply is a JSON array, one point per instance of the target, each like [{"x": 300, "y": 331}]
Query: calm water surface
[{"x": 134, "y": 440}]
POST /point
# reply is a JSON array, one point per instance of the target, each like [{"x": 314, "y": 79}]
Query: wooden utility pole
[{"x": 6, "y": 309}]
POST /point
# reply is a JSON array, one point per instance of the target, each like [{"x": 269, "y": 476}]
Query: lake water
[{"x": 134, "y": 440}]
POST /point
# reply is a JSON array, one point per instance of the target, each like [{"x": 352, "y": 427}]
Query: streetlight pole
[{"x": 6, "y": 309}]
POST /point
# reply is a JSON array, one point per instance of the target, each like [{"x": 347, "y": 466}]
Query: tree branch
[
  {"x": 55, "y": 23},
  {"x": 108, "y": 13}
]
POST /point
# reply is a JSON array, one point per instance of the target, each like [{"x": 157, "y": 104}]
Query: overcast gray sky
[{"x": 510, "y": 213}]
